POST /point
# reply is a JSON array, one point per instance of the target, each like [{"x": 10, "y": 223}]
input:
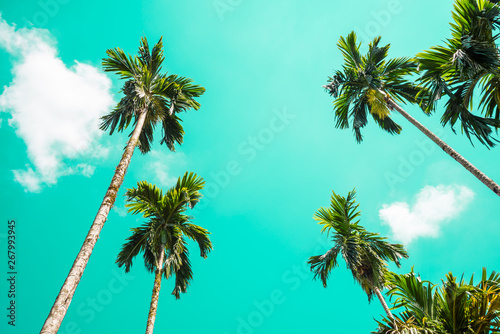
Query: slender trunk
[
  {"x": 156, "y": 294},
  {"x": 60, "y": 307},
  {"x": 445, "y": 147},
  {"x": 382, "y": 301}
]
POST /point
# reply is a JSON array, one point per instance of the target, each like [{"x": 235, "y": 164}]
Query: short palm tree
[
  {"x": 365, "y": 253},
  {"x": 468, "y": 60},
  {"x": 151, "y": 98},
  {"x": 456, "y": 307},
  {"x": 162, "y": 238},
  {"x": 372, "y": 85}
]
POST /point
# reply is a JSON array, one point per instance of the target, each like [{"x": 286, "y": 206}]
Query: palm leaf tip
[{"x": 331, "y": 87}]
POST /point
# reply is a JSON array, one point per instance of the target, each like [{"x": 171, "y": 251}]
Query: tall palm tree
[
  {"x": 456, "y": 307},
  {"x": 371, "y": 84},
  {"x": 469, "y": 59},
  {"x": 162, "y": 238},
  {"x": 365, "y": 253},
  {"x": 150, "y": 97}
]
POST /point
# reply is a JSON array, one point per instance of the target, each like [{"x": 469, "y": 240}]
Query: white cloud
[
  {"x": 159, "y": 165},
  {"x": 433, "y": 207},
  {"x": 55, "y": 109},
  {"x": 122, "y": 212}
]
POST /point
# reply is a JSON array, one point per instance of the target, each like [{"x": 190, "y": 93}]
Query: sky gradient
[{"x": 265, "y": 142}]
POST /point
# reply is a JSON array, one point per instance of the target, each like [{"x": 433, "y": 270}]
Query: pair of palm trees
[
  {"x": 150, "y": 98},
  {"x": 371, "y": 84},
  {"x": 457, "y": 307}
]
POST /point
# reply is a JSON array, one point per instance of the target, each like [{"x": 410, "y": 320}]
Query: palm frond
[
  {"x": 198, "y": 234},
  {"x": 119, "y": 62},
  {"x": 350, "y": 49},
  {"x": 322, "y": 265}
]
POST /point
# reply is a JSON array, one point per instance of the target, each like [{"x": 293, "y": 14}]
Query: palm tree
[
  {"x": 468, "y": 60},
  {"x": 373, "y": 85},
  {"x": 162, "y": 238},
  {"x": 456, "y": 307},
  {"x": 151, "y": 97},
  {"x": 365, "y": 253}
]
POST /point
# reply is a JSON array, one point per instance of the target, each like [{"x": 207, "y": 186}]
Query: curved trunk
[
  {"x": 58, "y": 311},
  {"x": 382, "y": 301},
  {"x": 156, "y": 294},
  {"x": 445, "y": 147}
]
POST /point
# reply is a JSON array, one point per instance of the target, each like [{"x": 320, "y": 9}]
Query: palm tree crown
[
  {"x": 147, "y": 90},
  {"x": 370, "y": 84},
  {"x": 356, "y": 88},
  {"x": 365, "y": 253},
  {"x": 456, "y": 307},
  {"x": 164, "y": 233},
  {"x": 467, "y": 60}
]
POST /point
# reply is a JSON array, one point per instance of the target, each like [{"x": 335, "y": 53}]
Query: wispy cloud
[
  {"x": 159, "y": 165},
  {"x": 55, "y": 109},
  {"x": 433, "y": 206},
  {"x": 120, "y": 211}
]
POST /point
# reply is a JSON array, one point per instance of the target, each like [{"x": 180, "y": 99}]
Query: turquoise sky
[{"x": 265, "y": 142}]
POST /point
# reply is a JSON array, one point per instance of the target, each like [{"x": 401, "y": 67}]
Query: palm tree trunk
[
  {"x": 60, "y": 307},
  {"x": 445, "y": 147},
  {"x": 382, "y": 301},
  {"x": 156, "y": 294}
]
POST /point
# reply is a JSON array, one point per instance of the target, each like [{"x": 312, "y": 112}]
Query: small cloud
[
  {"x": 85, "y": 170},
  {"x": 433, "y": 206},
  {"x": 28, "y": 179},
  {"x": 55, "y": 109},
  {"x": 122, "y": 212},
  {"x": 159, "y": 165}
]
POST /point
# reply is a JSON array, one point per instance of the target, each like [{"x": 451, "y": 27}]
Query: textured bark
[
  {"x": 445, "y": 147},
  {"x": 156, "y": 294},
  {"x": 60, "y": 307},
  {"x": 382, "y": 301}
]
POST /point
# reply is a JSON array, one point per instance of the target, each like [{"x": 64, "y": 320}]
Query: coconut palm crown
[
  {"x": 366, "y": 254},
  {"x": 164, "y": 233},
  {"x": 146, "y": 90},
  {"x": 358, "y": 85}
]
